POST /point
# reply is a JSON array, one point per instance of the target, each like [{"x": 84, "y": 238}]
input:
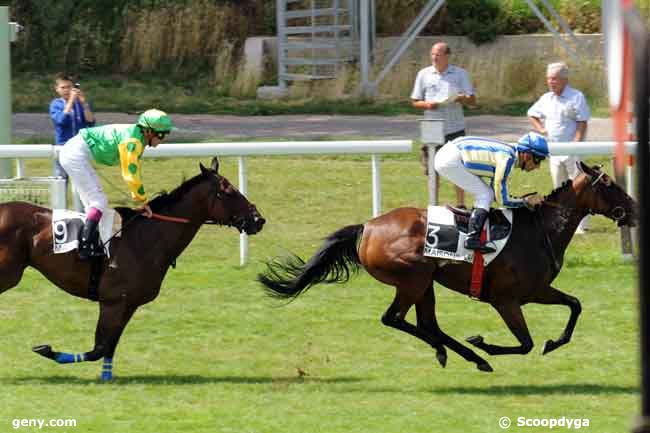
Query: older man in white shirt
[{"x": 562, "y": 115}]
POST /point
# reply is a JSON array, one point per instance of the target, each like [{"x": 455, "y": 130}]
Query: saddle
[
  {"x": 66, "y": 231},
  {"x": 499, "y": 225},
  {"x": 447, "y": 229}
]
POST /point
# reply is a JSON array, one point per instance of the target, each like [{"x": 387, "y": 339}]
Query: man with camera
[{"x": 70, "y": 112}]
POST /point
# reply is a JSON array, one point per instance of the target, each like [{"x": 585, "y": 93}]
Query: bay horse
[
  {"x": 390, "y": 248},
  {"x": 139, "y": 259}
]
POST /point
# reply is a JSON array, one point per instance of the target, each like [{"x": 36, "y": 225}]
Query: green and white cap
[{"x": 157, "y": 120}]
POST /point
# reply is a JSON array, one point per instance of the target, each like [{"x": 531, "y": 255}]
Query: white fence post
[
  {"x": 243, "y": 188},
  {"x": 58, "y": 193},
  {"x": 432, "y": 135},
  {"x": 20, "y": 168},
  {"x": 376, "y": 186}
]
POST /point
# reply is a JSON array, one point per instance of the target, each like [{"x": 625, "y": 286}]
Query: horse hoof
[
  {"x": 475, "y": 340},
  {"x": 442, "y": 359},
  {"x": 549, "y": 346},
  {"x": 484, "y": 367},
  {"x": 44, "y": 350}
]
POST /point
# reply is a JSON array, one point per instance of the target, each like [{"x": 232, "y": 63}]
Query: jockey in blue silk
[{"x": 467, "y": 161}]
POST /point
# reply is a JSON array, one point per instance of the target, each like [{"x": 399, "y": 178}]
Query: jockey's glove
[{"x": 533, "y": 201}]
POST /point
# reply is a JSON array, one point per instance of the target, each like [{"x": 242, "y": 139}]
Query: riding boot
[
  {"x": 475, "y": 225},
  {"x": 87, "y": 239}
]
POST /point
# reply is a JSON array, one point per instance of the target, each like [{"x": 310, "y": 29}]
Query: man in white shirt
[
  {"x": 561, "y": 114},
  {"x": 441, "y": 90}
]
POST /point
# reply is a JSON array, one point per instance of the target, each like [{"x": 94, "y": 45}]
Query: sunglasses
[{"x": 161, "y": 135}]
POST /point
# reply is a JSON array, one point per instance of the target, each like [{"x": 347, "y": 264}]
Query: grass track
[{"x": 214, "y": 354}]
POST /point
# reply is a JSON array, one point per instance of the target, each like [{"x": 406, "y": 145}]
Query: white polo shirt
[
  {"x": 433, "y": 86},
  {"x": 562, "y": 113}
]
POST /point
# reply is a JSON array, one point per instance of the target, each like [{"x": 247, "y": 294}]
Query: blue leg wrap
[
  {"x": 67, "y": 358},
  {"x": 107, "y": 369}
]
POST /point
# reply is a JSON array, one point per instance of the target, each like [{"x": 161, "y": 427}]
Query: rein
[
  {"x": 153, "y": 216},
  {"x": 172, "y": 219},
  {"x": 169, "y": 218}
]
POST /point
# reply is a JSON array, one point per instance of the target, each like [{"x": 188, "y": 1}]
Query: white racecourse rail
[{"x": 170, "y": 150}]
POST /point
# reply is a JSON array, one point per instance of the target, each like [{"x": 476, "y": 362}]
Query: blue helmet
[{"x": 534, "y": 143}]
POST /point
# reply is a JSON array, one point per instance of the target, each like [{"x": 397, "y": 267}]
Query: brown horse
[
  {"x": 139, "y": 259},
  {"x": 390, "y": 248}
]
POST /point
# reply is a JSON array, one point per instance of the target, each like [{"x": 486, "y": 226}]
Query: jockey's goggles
[{"x": 161, "y": 134}]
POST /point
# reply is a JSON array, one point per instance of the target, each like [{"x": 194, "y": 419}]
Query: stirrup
[
  {"x": 485, "y": 248},
  {"x": 90, "y": 249},
  {"x": 83, "y": 250}
]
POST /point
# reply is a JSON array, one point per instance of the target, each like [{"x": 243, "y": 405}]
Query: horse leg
[
  {"x": 113, "y": 318},
  {"x": 552, "y": 296},
  {"x": 107, "y": 367},
  {"x": 511, "y": 314},
  {"x": 12, "y": 266},
  {"x": 425, "y": 310},
  {"x": 395, "y": 318}
]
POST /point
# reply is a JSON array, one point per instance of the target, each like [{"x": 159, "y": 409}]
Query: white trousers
[
  {"x": 449, "y": 164},
  {"x": 76, "y": 161},
  {"x": 564, "y": 168}
]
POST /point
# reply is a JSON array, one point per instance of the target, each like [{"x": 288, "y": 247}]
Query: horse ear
[
  {"x": 215, "y": 165},
  {"x": 584, "y": 167},
  {"x": 203, "y": 169}
]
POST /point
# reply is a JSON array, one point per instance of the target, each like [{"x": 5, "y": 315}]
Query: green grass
[
  {"x": 214, "y": 354},
  {"x": 33, "y": 93}
]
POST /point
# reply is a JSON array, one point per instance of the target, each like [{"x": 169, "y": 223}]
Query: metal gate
[{"x": 316, "y": 38}]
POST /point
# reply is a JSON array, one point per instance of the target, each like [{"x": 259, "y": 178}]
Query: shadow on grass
[
  {"x": 509, "y": 390},
  {"x": 177, "y": 380}
]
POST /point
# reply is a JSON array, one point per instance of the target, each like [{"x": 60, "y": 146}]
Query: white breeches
[
  {"x": 448, "y": 163},
  {"x": 76, "y": 161}
]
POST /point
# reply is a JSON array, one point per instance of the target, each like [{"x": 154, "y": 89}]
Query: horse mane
[
  {"x": 164, "y": 199},
  {"x": 559, "y": 189}
]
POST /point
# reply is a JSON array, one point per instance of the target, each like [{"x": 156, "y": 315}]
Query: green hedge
[{"x": 103, "y": 36}]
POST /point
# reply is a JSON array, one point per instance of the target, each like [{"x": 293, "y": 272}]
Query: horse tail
[{"x": 334, "y": 262}]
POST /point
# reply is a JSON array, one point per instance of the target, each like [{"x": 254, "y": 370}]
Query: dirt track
[{"x": 306, "y": 127}]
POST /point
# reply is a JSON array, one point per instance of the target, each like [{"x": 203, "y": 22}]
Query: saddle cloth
[
  {"x": 67, "y": 224},
  {"x": 444, "y": 240}
]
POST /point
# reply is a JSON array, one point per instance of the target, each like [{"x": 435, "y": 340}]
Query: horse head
[
  {"x": 227, "y": 206},
  {"x": 599, "y": 194}
]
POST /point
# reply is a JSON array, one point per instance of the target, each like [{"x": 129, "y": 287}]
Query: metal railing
[{"x": 241, "y": 150}]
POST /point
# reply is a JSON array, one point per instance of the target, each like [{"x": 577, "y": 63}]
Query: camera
[{"x": 77, "y": 85}]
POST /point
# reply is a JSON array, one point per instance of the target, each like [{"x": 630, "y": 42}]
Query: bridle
[
  {"x": 236, "y": 222},
  {"x": 617, "y": 213},
  {"x": 218, "y": 195}
]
